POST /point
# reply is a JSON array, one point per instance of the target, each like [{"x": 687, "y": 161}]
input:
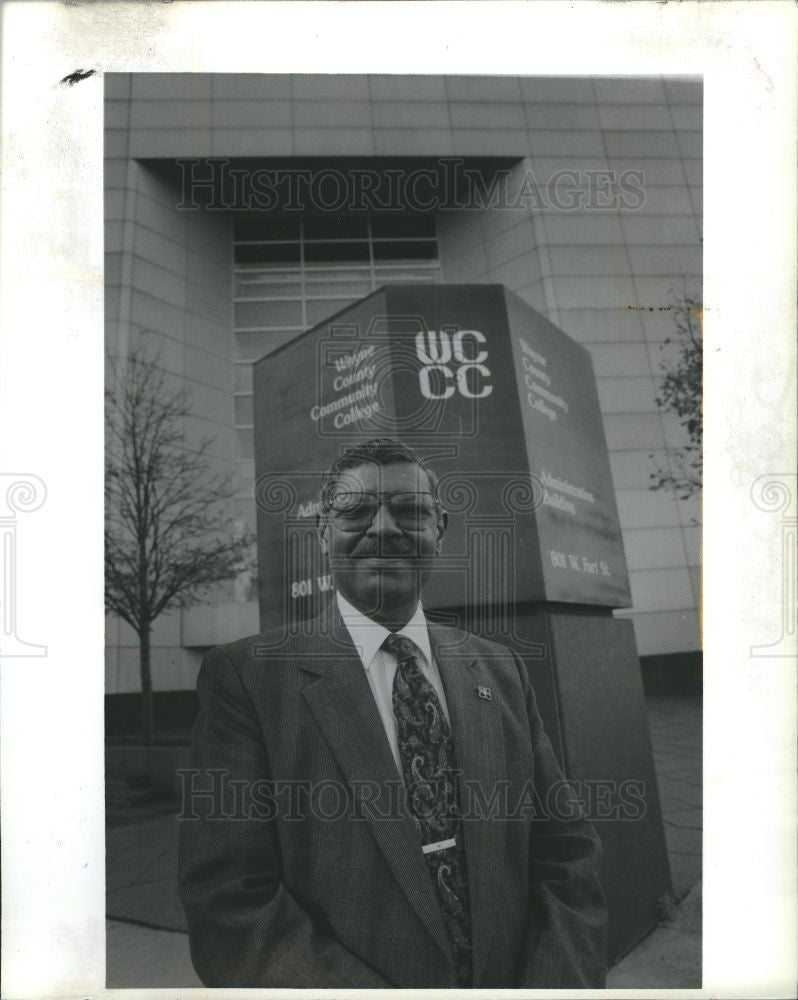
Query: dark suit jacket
[{"x": 309, "y": 874}]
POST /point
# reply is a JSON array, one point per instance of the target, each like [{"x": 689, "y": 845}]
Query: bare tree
[
  {"x": 167, "y": 535},
  {"x": 680, "y": 391}
]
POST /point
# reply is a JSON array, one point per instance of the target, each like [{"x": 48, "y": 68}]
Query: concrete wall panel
[{"x": 606, "y": 277}]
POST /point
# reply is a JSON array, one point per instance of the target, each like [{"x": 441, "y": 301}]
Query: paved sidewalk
[
  {"x": 676, "y": 739},
  {"x": 669, "y": 957},
  {"x": 143, "y": 958},
  {"x": 148, "y": 945}
]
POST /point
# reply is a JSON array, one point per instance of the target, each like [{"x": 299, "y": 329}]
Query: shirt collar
[{"x": 368, "y": 636}]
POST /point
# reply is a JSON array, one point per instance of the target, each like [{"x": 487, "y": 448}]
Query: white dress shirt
[{"x": 380, "y": 665}]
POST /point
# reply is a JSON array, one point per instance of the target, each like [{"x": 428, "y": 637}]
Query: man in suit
[{"x": 374, "y": 802}]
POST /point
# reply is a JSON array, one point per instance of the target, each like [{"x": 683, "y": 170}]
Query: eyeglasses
[{"x": 411, "y": 511}]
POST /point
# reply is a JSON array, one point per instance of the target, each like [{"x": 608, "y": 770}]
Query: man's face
[{"x": 380, "y": 563}]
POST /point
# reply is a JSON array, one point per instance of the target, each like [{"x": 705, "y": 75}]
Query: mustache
[{"x": 397, "y": 547}]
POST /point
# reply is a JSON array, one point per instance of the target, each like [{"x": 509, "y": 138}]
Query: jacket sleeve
[
  {"x": 566, "y": 937},
  {"x": 245, "y": 927}
]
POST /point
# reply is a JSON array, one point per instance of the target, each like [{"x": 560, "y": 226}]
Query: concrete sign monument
[{"x": 504, "y": 406}]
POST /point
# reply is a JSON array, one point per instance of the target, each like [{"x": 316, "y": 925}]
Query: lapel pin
[{"x": 484, "y": 692}]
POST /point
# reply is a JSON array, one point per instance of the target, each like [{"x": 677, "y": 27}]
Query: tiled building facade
[{"x": 602, "y": 225}]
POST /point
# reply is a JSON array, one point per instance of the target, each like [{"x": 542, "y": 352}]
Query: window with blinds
[{"x": 291, "y": 274}]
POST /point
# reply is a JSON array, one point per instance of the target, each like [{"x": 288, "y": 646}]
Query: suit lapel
[
  {"x": 343, "y": 706},
  {"x": 476, "y": 730}
]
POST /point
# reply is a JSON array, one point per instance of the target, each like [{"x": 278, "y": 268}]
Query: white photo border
[{"x": 51, "y": 400}]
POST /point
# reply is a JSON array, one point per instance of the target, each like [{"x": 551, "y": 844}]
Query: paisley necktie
[{"x": 426, "y": 751}]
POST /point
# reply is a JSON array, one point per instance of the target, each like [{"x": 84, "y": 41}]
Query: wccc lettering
[{"x": 453, "y": 363}]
